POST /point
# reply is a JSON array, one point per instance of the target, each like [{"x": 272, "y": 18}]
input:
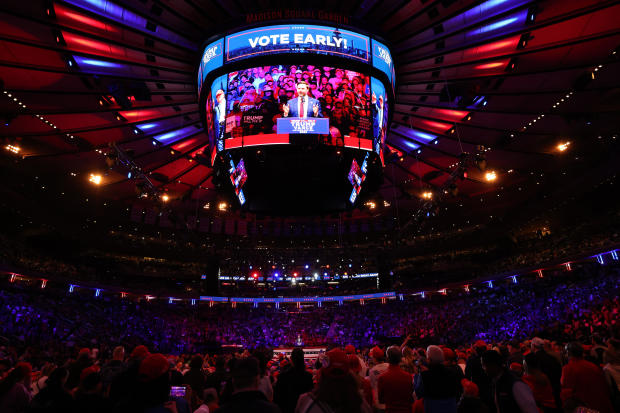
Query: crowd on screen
[
  {"x": 344, "y": 96},
  {"x": 536, "y": 346}
]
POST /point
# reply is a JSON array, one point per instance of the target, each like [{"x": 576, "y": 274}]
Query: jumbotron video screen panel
[{"x": 269, "y": 85}]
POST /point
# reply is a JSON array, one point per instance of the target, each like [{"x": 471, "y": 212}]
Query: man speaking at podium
[{"x": 302, "y": 106}]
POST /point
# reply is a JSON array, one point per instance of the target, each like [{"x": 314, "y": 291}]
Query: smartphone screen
[{"x": 177, "y": 391}]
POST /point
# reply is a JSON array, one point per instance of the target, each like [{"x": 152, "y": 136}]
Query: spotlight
[
  {"x": 531, "y": 14},
  {"x": 13, "y": 148},
  {"x": 95, "y": 179},
  {"x": 490, "y": 176},
  {"x": 511, "y": 65},
  {"x": 371, "y": 204},
  {"x": 525, "y": 38},
  {"x": 59, "y": 38},
  {"x": 165, "y": 198},
  {"x": 563, "y": 146},
  {"x": 222, "y": 206},
  {"x": 427, "y": 195},
  {"x": 70, "y": 62}
]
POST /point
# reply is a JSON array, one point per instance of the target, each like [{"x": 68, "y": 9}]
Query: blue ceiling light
[
  {"x": 488, "y": 5},
  {"x": 483, "y": 11},
  {"x": 516, "y": 19},
  {"x": 121, "y": 15},
  {"x": 498, "y": 25},
  {"x": 85, "y": 61},
  {"x": 175, "y": 135},
  {"x": 147, "y": 126},
  {"x": 415, "y": 134}
]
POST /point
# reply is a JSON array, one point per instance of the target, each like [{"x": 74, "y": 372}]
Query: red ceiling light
[
  {"x": 492, "y": 65},
  {"x": 63, "y": 12}
]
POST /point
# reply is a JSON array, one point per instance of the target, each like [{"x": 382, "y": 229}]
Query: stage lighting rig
[{"x": 430, "y": 200}]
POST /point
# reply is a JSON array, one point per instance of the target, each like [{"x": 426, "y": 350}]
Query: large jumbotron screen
[{"x": 262, "y": 85}]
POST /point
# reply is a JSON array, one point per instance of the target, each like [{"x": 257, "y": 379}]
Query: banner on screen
[
  {"x": 303, "y": 126},
  {"x": 212, "y": 58},
  {"x": 382, "y": 60},
  {"x": 297, "y": 39}
]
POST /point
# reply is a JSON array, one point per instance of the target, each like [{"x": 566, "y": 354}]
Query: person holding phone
[
  {"x": 154, "y": 392},
  {"x": 302, "y": 106},
  {"x": 246, "y": 396}
]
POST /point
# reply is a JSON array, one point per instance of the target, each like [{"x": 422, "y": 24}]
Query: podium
[{"x": 303, "y": 126}]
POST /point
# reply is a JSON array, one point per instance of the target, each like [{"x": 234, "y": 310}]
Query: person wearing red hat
[
  {"x": 379, "y": 367},
  {"x": 395, "y": 386},
  {"x": 89, "y": 394},
  {"x": 516, "y": 369},
  {"x": 337, "y": 389},
  {"x": 450, "y": 362},
  {"x": 152, "y": 390},
  {"x": 139, "y": 352},
  {"x": 292, "y": 383},
  {"x": 470, "y": 402},
  {"x": 350, "y": 349}
]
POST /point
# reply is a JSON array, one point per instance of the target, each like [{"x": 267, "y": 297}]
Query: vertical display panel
[
  {"x": 212, "y": 58},
  {"x": 215, "y": 111},
  {"x": 382, "y": 60},
  {"x": 379, "y": 108}
]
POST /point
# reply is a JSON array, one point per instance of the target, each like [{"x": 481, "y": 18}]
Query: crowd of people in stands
[{"x": 539, "y": 346}]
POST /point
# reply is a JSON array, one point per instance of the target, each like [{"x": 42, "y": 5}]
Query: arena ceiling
[{"x": 505, "y": 81}]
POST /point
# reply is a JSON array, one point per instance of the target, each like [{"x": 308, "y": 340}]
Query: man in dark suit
[
  {"x": 378, "y": 120},
  {"x": 247, "y": 397},
  {"x": 292, "y": 383},
  {"x": 302, "y": 106}
]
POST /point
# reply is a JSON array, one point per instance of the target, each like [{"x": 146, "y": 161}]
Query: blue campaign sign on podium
[{"x": 303, "y": 125}]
